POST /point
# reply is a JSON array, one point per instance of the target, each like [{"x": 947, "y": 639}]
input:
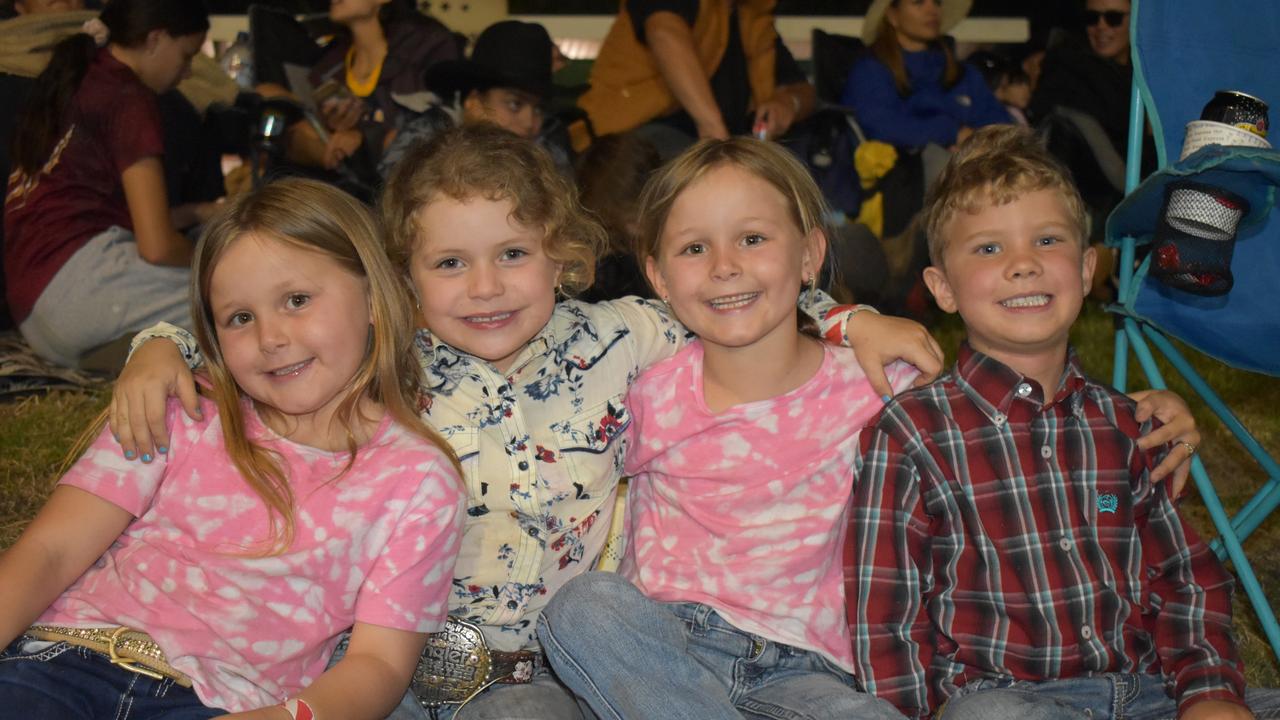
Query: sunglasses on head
[{"x": 1113, "y": 17}]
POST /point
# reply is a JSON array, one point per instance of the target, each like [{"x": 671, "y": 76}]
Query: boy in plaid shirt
[{"x": 1009, "y": 555}]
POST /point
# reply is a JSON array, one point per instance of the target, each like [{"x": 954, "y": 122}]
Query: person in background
[
  {"x": 681, "y": 70},
  {"x": 610, "y": 176},
  {"x": 93, "y": 251},
  {"x": 909, "y": 89},
  {"x": 505, "y": 81},
  {"x": 381, "y": 54}
]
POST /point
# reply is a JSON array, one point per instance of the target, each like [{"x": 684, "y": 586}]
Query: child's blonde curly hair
[{"x": 483, "y": 160}]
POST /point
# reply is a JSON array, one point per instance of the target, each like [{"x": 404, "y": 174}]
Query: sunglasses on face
[{"x": 1113, "y": 17}]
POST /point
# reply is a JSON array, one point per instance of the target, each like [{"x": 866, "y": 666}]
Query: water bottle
[{"x": 237, "y": 61}]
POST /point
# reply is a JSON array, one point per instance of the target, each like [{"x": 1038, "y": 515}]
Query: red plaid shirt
[{"x": 994, "y": 536}]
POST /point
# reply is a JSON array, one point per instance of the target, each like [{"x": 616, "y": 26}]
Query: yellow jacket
[{"x": 627, "y": 89}]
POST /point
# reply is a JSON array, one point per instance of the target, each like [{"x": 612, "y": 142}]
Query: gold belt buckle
[{"x": 127, "y": 663}]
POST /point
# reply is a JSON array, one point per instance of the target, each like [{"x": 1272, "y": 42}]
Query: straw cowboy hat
[{"x": 953, "y": 11}]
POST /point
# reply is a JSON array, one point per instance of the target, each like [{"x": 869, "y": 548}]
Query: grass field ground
[{"x": 36, "y": 433}]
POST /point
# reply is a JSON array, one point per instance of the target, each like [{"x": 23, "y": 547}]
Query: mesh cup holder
[{"x": 1196, "y": 236}]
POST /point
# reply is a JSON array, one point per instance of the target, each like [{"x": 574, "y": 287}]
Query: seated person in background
[
  {"x": 1094, "y": 79},
  {"x": 1007, "y": 80},
  {"x": 909, "y": 90},
  {"x": 681, "y": 70},
  {"x": 505, "y": 81},
  {"x": 610, "y": 176},
  {"x": 1011, "y": 555},
  {"x": 92, "y": 248},
  {"x": 381, "y": 54}
]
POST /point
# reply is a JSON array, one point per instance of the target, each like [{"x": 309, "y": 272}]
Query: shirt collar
[{"x": 996, "y": 386}]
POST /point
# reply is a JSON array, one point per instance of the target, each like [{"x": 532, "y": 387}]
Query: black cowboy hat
[{"x": 508, "y": 54}]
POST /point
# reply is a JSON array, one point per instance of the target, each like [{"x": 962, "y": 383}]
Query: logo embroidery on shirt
[{"x": 1107, "y": 503}]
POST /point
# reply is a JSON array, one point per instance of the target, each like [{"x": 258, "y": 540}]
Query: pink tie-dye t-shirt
[
  {"x": 376, "y": 545},
  {"x": 744, "y": 510}
]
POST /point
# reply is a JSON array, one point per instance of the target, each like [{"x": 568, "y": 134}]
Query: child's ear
[
  {"x": 815, "y": 252},
  {"x": 1088, "y": 263},
  {"x": 655, "y": 277},
  {"x": 935, "y": 278}
]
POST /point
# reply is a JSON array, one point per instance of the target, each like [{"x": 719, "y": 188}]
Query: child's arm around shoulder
[
  {"x": 887, "y": 567},
  {"x": 160, "y": 366}
]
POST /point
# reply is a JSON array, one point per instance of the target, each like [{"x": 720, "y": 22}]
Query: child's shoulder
[
  {"x": 662, "y": 372},
  {"x": 619, "y": 311}
]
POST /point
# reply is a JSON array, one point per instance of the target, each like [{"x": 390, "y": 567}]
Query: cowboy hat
[
  {"x": 507, "y": 54},
  {"x": 953, "y": 11}
]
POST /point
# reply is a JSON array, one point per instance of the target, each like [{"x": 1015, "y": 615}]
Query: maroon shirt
[{"x": 112, "y": 123}]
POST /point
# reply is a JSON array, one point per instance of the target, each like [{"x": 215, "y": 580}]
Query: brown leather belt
[
  {"x": 456, "y": 665},
  {"x": 132, "y": 650}
]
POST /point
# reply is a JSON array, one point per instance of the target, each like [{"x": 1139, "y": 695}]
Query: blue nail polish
[
  {"x": 128, "y": 454},
  {"x": 886, "y": 399},
  {"x": 163, "y": 450},
  {"x": 146, "y": 457}
]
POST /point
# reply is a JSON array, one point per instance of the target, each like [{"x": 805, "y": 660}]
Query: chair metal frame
[{"x": 1134, "y": 334}]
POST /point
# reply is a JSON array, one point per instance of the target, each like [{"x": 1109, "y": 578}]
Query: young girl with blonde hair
[{"x": 308, "y": 498}]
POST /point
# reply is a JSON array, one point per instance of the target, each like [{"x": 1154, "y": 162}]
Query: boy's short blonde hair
[
  {"x": 995, "y": 166},
  {"x": 483, "y": 160}
]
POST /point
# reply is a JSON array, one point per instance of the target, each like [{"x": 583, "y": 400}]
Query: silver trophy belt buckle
[{"x": 454, "y": 665}]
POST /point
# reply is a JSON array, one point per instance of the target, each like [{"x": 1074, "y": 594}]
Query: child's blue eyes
[
  {"x": 298, "y": 300},
  {"x": 514, "y": 253},
  {"x": 449, "y": 264}
]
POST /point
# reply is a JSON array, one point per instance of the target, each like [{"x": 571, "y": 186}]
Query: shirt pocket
[{"x": 594, "y": 430}]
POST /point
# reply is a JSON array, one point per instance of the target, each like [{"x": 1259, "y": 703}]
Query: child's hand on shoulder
[
  {"x": 154, "y": 373},
  {"x": 1216, "y": 710},
  {"x": 878, "y": 340},
  {"x": 1178, "y": 428}
]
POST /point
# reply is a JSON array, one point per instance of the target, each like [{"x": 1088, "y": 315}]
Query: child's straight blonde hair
[
  {"x": 319, "y": 218},
  {"x": 481, "y": 160},
  {"x": 997, "y": 165},
  {"x": 766, "y": 160}
]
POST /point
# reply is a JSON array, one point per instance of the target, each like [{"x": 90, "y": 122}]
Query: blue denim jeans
[
  {"x": 1116, "y": 696},
  {"x": 542, "y": 699},
  {"x": 632, "y": 657},
  {"x": 58, "y": 681}
]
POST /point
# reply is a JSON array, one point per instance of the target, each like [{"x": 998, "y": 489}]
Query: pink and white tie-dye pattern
[
  {"x": 744, "y": 510},
  {"x": 376, "y": 545}
]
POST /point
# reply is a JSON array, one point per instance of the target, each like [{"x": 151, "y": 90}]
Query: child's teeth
[
  {"x": 733, "y": 301},
  {"x": 1027, "y": 301}
]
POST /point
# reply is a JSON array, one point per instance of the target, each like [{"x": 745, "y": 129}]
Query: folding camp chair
[{"x": 1184, "y": 51}]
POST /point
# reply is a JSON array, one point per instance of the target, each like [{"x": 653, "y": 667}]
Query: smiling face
[
  {"x": 1017, "y": 273},
  {"x": 731, "y": 260},
  {"x": 485, "y": 283},
  {"x": 1109, "y": 42},
  {"x": 293, "y": 328},
  {"x": 915, "y": 22}
]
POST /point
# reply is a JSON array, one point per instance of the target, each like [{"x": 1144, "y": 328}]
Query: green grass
[{"x": 36, "y": 433}]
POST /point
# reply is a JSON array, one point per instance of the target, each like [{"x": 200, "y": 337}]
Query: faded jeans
[
  {"x": 1116, "y": 696},
  {"x": 632, "y": 657}
]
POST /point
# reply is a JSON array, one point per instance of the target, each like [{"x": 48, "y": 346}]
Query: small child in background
[
  {"x": 1008, "y": 82},
  {"x": 611, "y": 174},
  {"x": 729, "y": 597},
  {"x": 308, "y": 498},
  {"x": 1011, "y": 556}
]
